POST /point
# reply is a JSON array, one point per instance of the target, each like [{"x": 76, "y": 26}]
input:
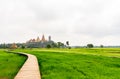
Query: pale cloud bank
[{"x": 79, "y": 21}]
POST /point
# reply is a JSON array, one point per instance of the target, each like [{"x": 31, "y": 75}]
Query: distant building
[
  {"x": 39, "y": 43},
  {"x": 13, "y": 46}
]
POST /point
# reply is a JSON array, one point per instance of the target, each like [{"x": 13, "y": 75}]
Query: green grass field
[
  {"x": 78, "y": 63},
  {"x": 10, "y": 64}
]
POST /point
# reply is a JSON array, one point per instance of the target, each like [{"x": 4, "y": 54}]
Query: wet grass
[
  {"x": 10, "y": 64},
  {"x": 77, "y": 63}
]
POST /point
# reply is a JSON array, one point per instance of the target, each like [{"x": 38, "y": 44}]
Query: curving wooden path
[{"x": 30, "y": 69}]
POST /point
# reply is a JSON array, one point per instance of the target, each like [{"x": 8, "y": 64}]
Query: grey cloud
[{"x": 93, "y": 19}]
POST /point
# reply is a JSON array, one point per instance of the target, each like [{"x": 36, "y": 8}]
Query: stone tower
[
  {"x": 43, "y": 38},
  {"x": 49, "y": 38},
  {"x": 38, "y": 39}
]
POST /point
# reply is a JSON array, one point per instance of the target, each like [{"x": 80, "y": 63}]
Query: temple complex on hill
[{"x": 39, "y": 42}]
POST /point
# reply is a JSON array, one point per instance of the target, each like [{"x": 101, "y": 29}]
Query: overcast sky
[{"x": 78, "y": 21}]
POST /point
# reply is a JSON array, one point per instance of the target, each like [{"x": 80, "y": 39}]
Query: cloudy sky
[{"x": 78, "y": 21}]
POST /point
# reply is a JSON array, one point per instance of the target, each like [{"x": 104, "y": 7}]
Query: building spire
[
  {"x": 43, "y": 38},
  {"x": 38, "y": 39}
]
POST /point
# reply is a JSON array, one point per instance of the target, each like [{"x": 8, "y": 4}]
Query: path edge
[{"x": 24, "y": 54}]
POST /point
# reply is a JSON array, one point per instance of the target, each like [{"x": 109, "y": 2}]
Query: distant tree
[
  {"x": 69, "y": 47},
  {"x": 90, "y": 45},
  {"x": 48, "y": 46},
  {"x": 67, "y": 43},
  {"x": 101, "y": 46},
  {"x": 54, "y": 45},
  {"x": 4, "y": 45},
  {"x": 23, "y": 47},
  {"x": 60, "y": 44}
]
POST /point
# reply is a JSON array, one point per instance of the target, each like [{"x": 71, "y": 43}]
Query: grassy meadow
[
  {"x": 81, "y": 63},
  {"x": 10, "y": 64}
]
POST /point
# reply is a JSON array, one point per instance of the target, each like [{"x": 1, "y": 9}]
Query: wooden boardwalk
[{"x": 30, "y": 69}]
